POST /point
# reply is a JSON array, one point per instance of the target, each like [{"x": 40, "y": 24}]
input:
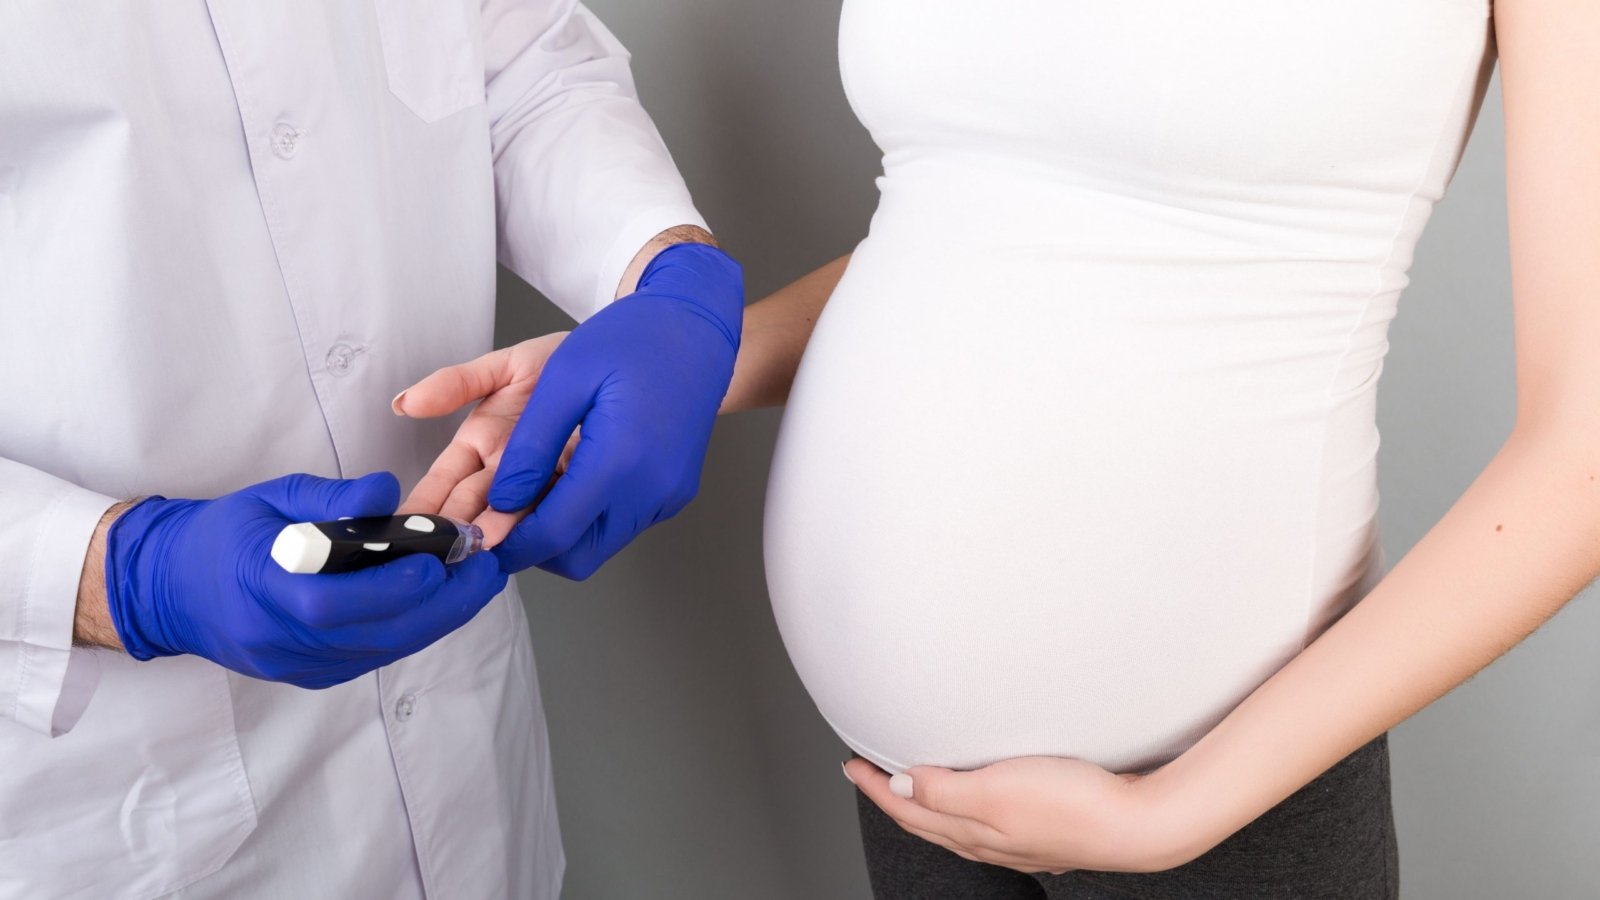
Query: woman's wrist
[
  {"x": 764, "y": 371},
  {"x": 776, "y": 331},
  {"x": 1184, "y": 816}
]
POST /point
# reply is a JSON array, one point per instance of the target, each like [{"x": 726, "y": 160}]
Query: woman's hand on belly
[{"x": 1035, "y": 814}]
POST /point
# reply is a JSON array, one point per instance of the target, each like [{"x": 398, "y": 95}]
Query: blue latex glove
[
  {"x": 645, "y": 377},
  {"x": 197, "y": 577}
]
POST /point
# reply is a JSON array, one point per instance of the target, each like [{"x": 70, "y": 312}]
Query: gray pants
[{"x": 1333, "y": 839}]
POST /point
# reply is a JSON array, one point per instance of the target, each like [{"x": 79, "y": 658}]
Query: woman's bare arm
[
  {"x": 1519, "y": 543},
  {"x": 775, "y": 334},
  {"x": 1525, "y": 537}
]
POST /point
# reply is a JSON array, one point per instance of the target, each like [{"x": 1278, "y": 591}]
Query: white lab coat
[{"x": 230, "y": 232}]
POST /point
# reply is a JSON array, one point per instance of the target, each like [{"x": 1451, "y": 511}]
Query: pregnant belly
[{"x": 1047, "y": 506}]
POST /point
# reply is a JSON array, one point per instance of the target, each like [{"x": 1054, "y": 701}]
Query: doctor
[{"x": 230, "y": 232}]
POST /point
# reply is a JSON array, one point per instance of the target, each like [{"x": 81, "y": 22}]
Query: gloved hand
[
  {"x": 644, "y": 377},
  {"x": 197, "y": 577}
]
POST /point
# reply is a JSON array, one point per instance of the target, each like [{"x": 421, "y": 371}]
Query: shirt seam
[
  {"x": 1468, "y": 77},
  {"x": 274, "y": 226}
]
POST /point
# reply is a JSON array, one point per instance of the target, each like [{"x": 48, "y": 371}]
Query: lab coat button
[
  {"x": 341, "y": 357},
  {"x": 405, "y": 707},
  {"x": 285, "y": 140}
]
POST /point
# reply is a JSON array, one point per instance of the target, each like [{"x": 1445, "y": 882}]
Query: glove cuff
[
  {"x": 704, "y": 277},
  {"x": 134, "y": 543}
]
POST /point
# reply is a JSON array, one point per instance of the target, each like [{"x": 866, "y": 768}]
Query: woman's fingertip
[
  {"x": 395, "y": 403},
  {"x": 845, "y": 768},
  {"x": 901, "y": 786}
]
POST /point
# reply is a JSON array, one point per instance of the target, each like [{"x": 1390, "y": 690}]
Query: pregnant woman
[
  {"x": 1071, "y": 528},
  {"x": 1077, "y": 471}
]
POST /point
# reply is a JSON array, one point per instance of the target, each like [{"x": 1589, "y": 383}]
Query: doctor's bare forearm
[
  {"x": 682, "y": 234},
  {"x": 776, "y": 332},
  {"x": 91, "y": 626}
]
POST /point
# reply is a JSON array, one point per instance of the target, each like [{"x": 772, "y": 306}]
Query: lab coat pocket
[
  {"x": 432, "y": 55},
  {"x": 145, "y": 795}
]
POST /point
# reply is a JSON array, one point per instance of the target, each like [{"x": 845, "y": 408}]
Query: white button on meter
[{"x": 419, "y": 523}]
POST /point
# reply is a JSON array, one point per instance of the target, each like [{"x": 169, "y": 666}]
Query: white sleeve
[
  {"x": 582, "y": 177},
  {"x": 45, "y": 527}
]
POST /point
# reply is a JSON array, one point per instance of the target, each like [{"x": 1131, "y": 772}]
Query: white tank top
[{"x": 1082, "y": 449}]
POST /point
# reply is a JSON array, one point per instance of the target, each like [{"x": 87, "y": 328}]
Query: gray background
[{"x": 689, "y": 761}]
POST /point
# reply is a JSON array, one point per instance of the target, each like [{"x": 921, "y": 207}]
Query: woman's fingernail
[
  {"x": 846, "y": 772},
  {"x": 395, "y": 403},
  {"x": 900, "y": 785}
]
